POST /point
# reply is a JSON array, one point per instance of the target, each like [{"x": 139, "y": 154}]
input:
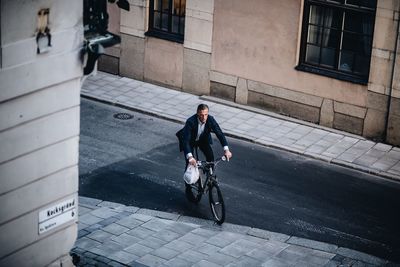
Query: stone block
[
  {"x": 374, "y": 124},
  {"x": 348, "y": 109},
  {"x": 58, "y": 97},
  {"x": 196, "y": 67},
  {"x": 242, "y": 92},
  {"x": 163, "y": 62},
  {"x": 39, "y": 193},
  {"x": 36, "y": 164},
  {"x": 393, "y": 131},
  {"x": 386, "y": 36},
  {"x": 283, "y": 106},
  {"x": 222, "y": 90},
  {"x": 198, "y": 34},
  {"x": 327, "y": 113},
  {"x": 223, "y": 78},
  {"x": 131, "y": 63},
  {"x": 201, "y": 5},
  {"x": 377, "y": 101},
  {"x": 286, "y": 94},
  {"x": 395, "y": 106},
  {"x": 133, "y": 22},
  {"x": 348, "y": 123},
  {"x": 380, "y": 71},
  {"x": 33, "y": 135},
  {"x": 63, "y": 68},
  {"x": 33, "y": 255},
  {"x": 108, "y": 64}
]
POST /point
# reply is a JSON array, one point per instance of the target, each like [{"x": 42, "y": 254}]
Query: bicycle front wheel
[{"x": 216, "y": 203}]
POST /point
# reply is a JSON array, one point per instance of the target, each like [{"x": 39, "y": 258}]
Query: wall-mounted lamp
[{"x": 43, "y": 36}]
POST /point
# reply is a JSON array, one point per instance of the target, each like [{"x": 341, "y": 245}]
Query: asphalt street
[{"x": 137, "y": 162}]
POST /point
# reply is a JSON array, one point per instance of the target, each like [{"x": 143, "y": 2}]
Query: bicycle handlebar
[{"x": 201, "y": 163}]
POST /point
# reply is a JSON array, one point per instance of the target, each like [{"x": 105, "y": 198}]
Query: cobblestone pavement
[
  {"x": 112, "y": 234},
  {"x": 252, "y": 124}
]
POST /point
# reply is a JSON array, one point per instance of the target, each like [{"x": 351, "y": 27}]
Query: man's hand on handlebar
[
  {"x": 228, "y": 155},
  {"x": 192, "y": 161}
]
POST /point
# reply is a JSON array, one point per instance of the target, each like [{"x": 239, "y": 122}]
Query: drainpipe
[{"x": 392, "y": 78}]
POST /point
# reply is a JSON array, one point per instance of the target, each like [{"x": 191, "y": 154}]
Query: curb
[{"x": 341, "y": 163}]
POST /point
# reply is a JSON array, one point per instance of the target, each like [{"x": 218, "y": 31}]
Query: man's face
[{"x": 202, "y": 115}]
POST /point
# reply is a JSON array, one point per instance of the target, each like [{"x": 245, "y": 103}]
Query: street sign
[{"x": 57, "y": 215}]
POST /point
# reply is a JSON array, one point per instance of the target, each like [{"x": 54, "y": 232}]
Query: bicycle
[{"x": 211, "y": 186}]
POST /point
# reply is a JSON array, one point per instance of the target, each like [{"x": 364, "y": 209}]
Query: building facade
[
  {"x": 40, "y": 81},
  {"x": 333, "y": 63}
]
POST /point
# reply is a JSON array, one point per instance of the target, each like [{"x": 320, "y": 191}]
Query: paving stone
[
  {"x": 140, "y": 232},
  {"x": 179, "y": 245},
  {"x": 151, "y": 260},
  {"x": 192, "y": 256},
  {"x": 93, "y": 227},
  {"x": 115, "y": 229},
  {"x": 82, "y": 233},
  {"x": 111, "y": 205},
  {"x": 104, "y": 212},
  {"x": 274, "y": 262},
  {"x": 125, "y": 239},
  {"x": 192, "y": 238},
  {"x": 165, "y": 253},
  {"x": 129, "y": 222},
  {"x": 167, "y": 235},
  {"x": 89, "y": 219},
  {"x": 100, "y": 236},
  {"x": 382, "y": 147},
  {"x": 142, "y": 217},
  {"x": 123, "y": 214},
  {"x": 108, "y": 221},
  {"x": 205, "y": 263},
  {"x": 123, "y": 257},
  {"x": 83, "y": 210},
  {"x": 268, "y": 250},
  {"x": 220, "y": 258},
  {"x": 204, "y": 232},
  {"x": 312, "y": 244},
  {"x": 155, "y": 225},
  {"x": 365, "y": 160},
  {"x": 293, "y": 253},
  {"x": 153, "y": 242},
  {"x": 138, "y": 250},
  {"x": 239, "y": 248},
  {"x": 86, "y": 243},
  {"x": 245, "y": 261},
  {"x": 207, "y": 249},
  {"x": 176, "y": 262},
  {"x": 223, "y": 239},
  {"x": 319, "y": 258},
  {"x": 268, "y": 235}
]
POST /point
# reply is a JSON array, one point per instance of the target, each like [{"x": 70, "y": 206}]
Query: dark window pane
[
  {"x": 359, "y": 23},
  {"x": 351, "y": 41},
  {"x": 312, "y": 54},
  {"x": 157, "y": 20},
  {"x": 362, "y": 3},
  {"x": 164, "y": 24},
  {"x": 314, "y": 35},
  {"x": 179, "y": 7},
  {"x": 361, "y": 65},
  {"x": 182, "y": 27},
  {"x": 165, "y": 5},
  {"x": 333, "y": 18},
  {"x": 316, "y": 15},
  {"x": 331, "y": 38},
  {"x": 157, "y": 5},
  {"x": 175, "y": 24},
  {"x": 328, "y": 57},
  {"x": 346, "y": 61}
]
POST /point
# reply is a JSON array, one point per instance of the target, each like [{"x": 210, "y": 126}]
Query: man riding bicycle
[{"x": 197, "y": 133}]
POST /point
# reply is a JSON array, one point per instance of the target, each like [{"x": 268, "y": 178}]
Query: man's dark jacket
[{"x": 187, "y": 135}]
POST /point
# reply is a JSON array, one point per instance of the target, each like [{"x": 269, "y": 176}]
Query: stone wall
[{"x": 39, "y": 131}]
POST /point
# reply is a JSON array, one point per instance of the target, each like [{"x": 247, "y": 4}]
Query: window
[
  {"x": 167, "y": 19},
  {"x": 337, "y": 38}
]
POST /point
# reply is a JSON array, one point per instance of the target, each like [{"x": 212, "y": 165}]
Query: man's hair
[{"x": 202, "y": 107}]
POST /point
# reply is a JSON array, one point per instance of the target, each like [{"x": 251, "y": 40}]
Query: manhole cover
[{"x": 123, "y": 116}]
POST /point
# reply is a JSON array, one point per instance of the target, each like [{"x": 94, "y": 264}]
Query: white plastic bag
[{"x": 191, "y": 174}]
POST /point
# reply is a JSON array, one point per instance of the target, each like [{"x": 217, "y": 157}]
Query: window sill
[
  {"x": 332, "y": 74},
  {"x": 165, "y": 35}
]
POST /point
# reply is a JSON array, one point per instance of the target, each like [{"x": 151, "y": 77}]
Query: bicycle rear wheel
[
  {"x": 216, "y": 203},
  {"x": 193, "y": 191}
]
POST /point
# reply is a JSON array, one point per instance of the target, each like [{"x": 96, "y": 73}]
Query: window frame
[
  {"x": 167, "y": 35},
  {"x": 335, "y": 73}
]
